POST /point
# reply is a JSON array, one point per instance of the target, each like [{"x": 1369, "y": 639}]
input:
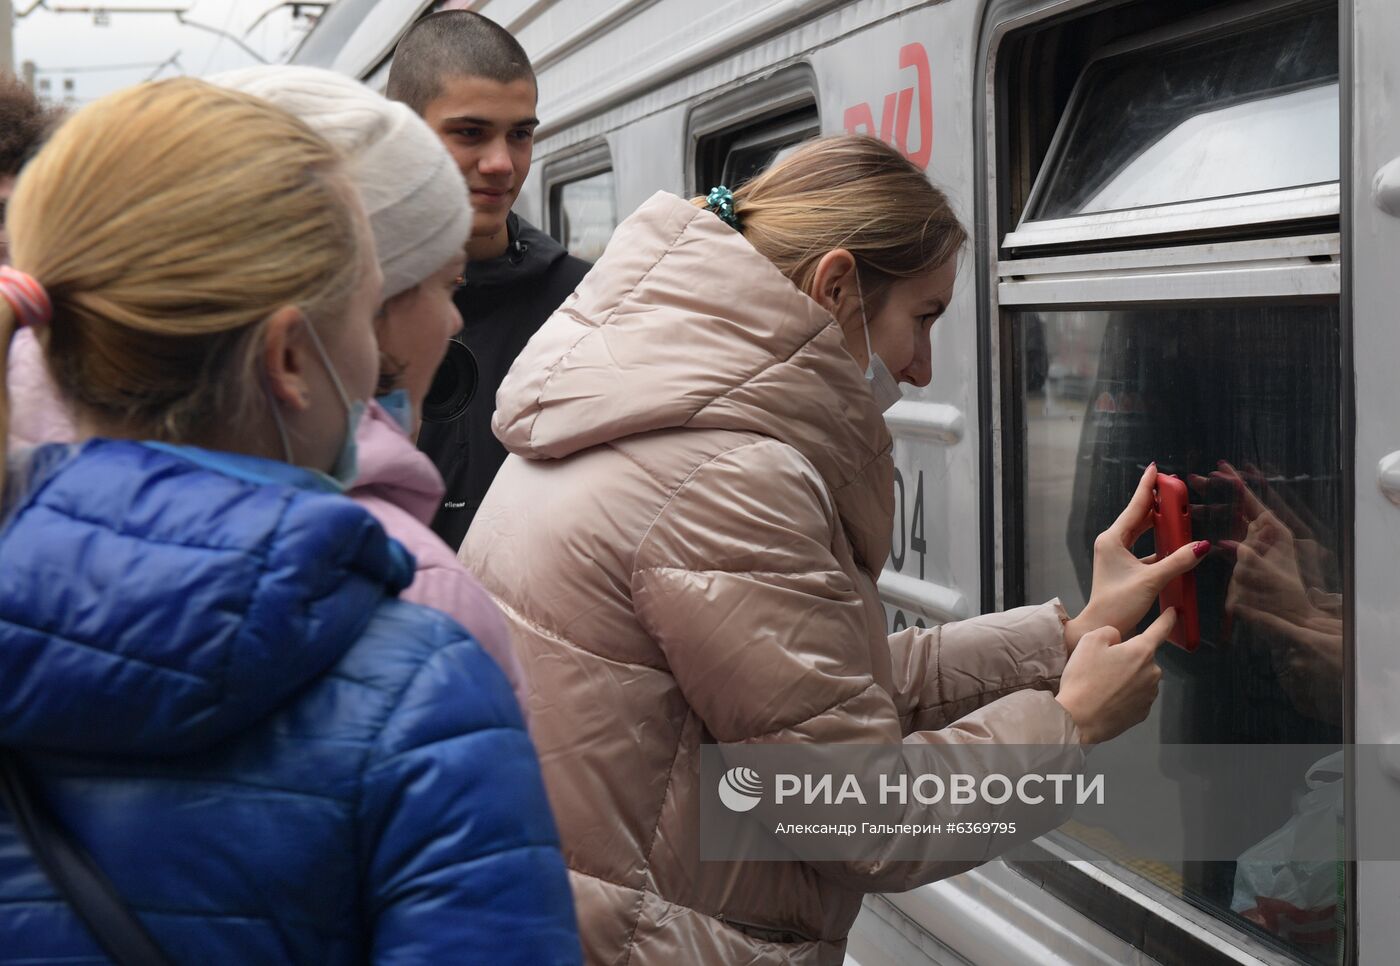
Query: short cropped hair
[
  {"x": 24, "y": 124},
  {"x": 453, "y": 43}
]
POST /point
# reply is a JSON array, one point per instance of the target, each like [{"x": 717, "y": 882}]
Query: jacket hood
[
  {"x": 530, "y": 253},
  {"x": 682, "y": 323},
  {"x": 155, "y": 601},
  {"x": 392, "y": 468}
]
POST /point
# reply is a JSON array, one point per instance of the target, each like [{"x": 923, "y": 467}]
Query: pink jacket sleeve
[
  {"x": 455, "y": 592},
  {"x": 37, "y": 414}
]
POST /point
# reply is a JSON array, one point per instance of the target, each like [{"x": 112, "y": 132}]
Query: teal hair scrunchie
[{"x": 720, "y": 200}]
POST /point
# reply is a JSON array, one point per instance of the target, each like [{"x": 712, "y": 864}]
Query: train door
[
  {"x": 1168, "y": 200},
  {"x": 1373, "y": 260}
]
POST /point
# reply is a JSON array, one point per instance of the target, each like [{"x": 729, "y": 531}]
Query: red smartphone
[{"x": 1171, "y": 525}]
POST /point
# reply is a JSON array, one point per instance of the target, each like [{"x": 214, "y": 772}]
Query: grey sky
[{"x": 70, "y": 40}]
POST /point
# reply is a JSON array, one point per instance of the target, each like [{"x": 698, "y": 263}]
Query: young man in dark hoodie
[{"x": 473, "y": 84}]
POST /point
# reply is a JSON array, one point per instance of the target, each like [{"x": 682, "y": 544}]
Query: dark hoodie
[{"x": 503, "y": 303}]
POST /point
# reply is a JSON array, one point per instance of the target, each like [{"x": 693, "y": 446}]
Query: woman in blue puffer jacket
[{"x": 204, "y": 671}]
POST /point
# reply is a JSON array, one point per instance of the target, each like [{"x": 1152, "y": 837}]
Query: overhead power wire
[{"x": 99, "y": 68}]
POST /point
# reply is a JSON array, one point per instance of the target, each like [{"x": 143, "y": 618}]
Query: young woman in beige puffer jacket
[{"x": 686, "y": 539}]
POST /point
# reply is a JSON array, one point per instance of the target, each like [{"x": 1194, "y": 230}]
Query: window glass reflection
[
  {"x": 1234, "y": 114},
  {"x": 585, "y": 215},
  {"x": 1243, "y": 403},
  {"x": 748, "y": 160}
]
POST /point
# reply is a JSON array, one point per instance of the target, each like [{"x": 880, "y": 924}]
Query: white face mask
[{"x": 883, "y": 385}]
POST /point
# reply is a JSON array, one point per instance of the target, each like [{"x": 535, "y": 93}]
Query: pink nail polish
[{"x": 1201, "y": 548}]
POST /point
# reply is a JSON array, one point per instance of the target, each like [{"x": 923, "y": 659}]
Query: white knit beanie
[{"x": 416, "y": 198}]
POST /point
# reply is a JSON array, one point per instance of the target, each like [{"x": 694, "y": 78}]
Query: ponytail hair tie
[
  {"x": 26, "y": 296},
  {"x": 720, "y": 200}
]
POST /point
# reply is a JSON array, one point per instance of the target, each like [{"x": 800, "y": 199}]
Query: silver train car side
[{"x": 1186, "y": 248}]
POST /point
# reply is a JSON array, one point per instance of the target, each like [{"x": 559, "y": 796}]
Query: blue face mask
[
  {"x": 347, "y": 462},
  {"x": 400, "y": 407}
]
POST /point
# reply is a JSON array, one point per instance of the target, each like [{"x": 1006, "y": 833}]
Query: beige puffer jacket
[{"x": 684, "y": 541}]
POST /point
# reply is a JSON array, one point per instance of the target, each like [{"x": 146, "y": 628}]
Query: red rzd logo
[{"x": 899, "y": 107}]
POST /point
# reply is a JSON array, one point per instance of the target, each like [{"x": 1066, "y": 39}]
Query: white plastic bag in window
[{"x": 1293, "y": 898}]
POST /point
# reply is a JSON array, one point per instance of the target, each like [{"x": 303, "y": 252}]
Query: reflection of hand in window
[
  {"x": 1311, "y": 540},
  {"x": 1307, "y": 657},
  {"x": 1267, "y": 574},
  {"x": 1276, "y": 588}
]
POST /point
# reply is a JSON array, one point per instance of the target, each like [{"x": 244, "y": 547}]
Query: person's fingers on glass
[
  {"x": 1289, "y": 509},
  {"x": 1267, "y": 534},
  {"x": 1124, "y": 587},
  {"x": 1316, "y": 561},
  {"x": 1247, "y": 505},
  {"x": 1215, "y": 516},
  {"x": 1232, "y": 508},
  {"x": 1136, "y": 518},
  {"x": 1203, "y": 514},
  {"x": 1264, "y": 535},
  {"x": 1295, "y": 513},
  {"x": 1273, "y": 501},
  {"x": 1256, "y": 479}
]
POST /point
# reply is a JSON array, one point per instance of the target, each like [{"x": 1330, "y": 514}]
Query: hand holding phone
[{"x": 1171, "y": 526}]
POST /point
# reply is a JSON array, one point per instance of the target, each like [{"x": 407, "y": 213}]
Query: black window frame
[
  {"x": 592, "y": 159},
  {"x": 777, "y": 110},
  {"x": 1175, "y": 37}
]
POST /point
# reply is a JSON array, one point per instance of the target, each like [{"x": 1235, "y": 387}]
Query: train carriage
[{"x": 1186, "y": 249}]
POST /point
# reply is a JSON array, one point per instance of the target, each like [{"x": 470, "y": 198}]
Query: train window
[
  {"x": 1244, "y": 402},
  {"x": 1222, "y": 115},
  {"x": 583, "y": 214},
  {"x": 583, "y": 202},
  {"x": 743, "y": 131},
  {"x": 378, "y": 78},
  {"x": 1206, "y": 113},
  {"x": 1222, "y": 363},
  {"x": 733, "y": 157}
]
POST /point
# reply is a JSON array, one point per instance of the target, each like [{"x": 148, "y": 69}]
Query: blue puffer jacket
[{"x": 274, "y": 760}]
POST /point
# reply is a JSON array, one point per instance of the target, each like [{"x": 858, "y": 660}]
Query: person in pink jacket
[{"x": 421, "y": 219}]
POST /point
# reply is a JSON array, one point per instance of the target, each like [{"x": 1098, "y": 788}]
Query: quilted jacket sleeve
[
  {"x": 462, "y": 854},
  {"x": 766, "y": 634},
  {"x": 946, "y": 673}
]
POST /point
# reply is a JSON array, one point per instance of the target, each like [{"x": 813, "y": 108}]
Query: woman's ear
[
  {"x": 835, "y": 274},
  {"x": 284, "y": 358}
]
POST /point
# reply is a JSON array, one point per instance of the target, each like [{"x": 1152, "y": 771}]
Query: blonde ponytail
[
  {"x": 852, "y": 192},
  {"x": 166, "y": 223}
]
